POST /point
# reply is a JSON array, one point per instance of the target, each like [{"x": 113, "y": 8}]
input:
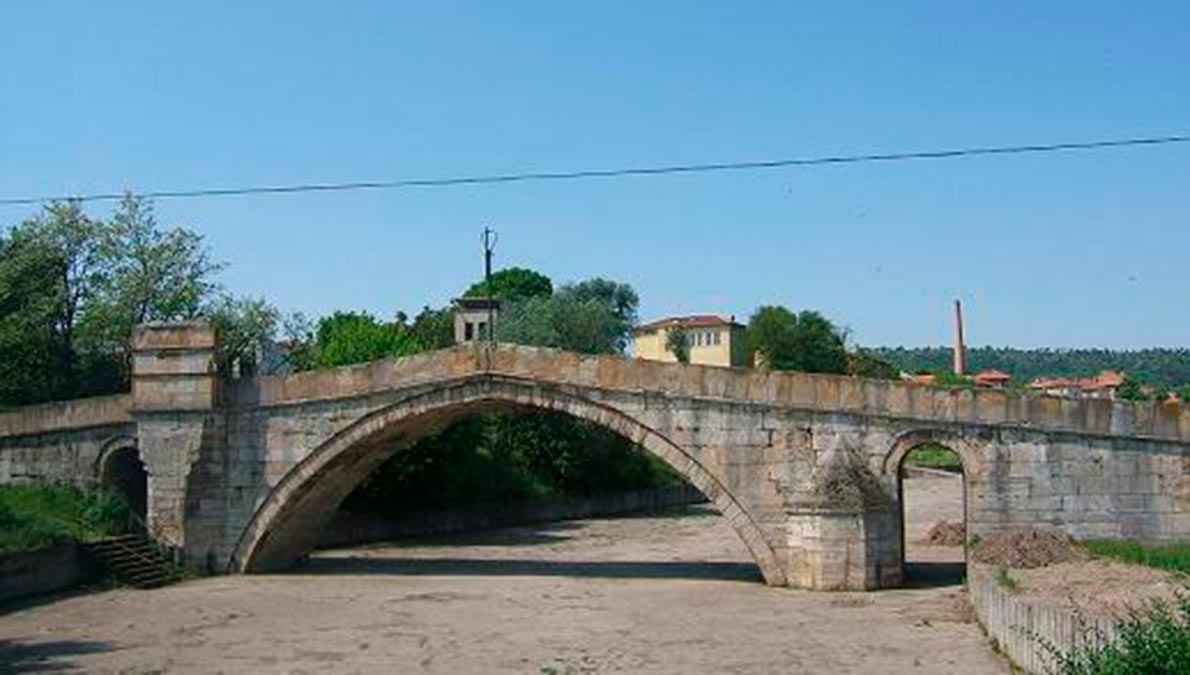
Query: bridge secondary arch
[{"x": 286, "y": 525}]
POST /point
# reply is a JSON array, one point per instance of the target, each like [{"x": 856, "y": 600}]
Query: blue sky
[{"x": 1080, "y": 249}]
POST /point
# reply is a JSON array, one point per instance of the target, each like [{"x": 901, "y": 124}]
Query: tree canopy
[
  {"x": 805, "y": 341},
  {"x": 72, "y": 287},
  {"x": 513, "y": 284},
  {"x": 591, "y": 317}
]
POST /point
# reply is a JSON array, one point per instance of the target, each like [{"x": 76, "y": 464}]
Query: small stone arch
[
  {"x": 286, "y": 525},
  {"x": 968, "y": 449},
  {"x": 119, "y": 467}
]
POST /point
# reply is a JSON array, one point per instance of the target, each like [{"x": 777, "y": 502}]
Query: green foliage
[
  {"x": 146, "y": 274},
  {"x": 805, "y": 341},
  {"x": 1005, "y": 580},
  {"x": 433, "y": 328},
  {"x": 1174, "y": 557},
  {"x": 72, "y": 288},
  {"x": 677, "y": 341},
  {"x": 35, "y": 515},
  {"x": 507, "y": 458},
  {"x": 513, "y": 284},
  {"x": 934, "y": 456},
  {"x": 1166, "y": 367},
  {"x": 344, "y": 338},
  {"x": 1155, "y": 641},
  {"x": 862, "y": 363},
  {"x": 246, "y": 327},
  {"x": 590, "y": 317}
]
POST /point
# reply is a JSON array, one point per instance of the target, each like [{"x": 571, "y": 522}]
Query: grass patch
[
  {"x": 934, "y": 456},
  {"x": 1005, "y": 579},
  {"x": 36, "y": 515},
  {"x": 1173, "y": 557}
]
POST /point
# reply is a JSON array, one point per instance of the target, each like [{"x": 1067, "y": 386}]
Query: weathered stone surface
[{"x": 805, "y": 467}]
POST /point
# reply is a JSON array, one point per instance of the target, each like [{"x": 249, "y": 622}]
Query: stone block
[
  {"x": 991, "y": 407},
  {"x": 186, "y": 335}
]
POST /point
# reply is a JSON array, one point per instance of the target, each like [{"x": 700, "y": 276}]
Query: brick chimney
[{"x": 960, "y": 348}]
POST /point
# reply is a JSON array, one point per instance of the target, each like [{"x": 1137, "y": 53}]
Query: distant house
[
  {"x": 991, "y": 377},
  {"x": 1101, "y": 386},
  {"x": 714, "y": 340}
]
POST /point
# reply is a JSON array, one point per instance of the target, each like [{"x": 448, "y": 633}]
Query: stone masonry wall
[{"x": 805, "y": 467}]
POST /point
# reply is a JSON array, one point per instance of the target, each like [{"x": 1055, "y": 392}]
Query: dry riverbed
[{"x": 670, "y": 593}]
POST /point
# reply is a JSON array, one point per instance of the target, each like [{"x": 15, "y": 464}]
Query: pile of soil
[
  {"x": 946, "y": 533},
  {"x": 1025, "y": 548}
]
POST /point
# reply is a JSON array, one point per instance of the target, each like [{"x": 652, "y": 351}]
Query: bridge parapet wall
[{"x": 805, "y": 391}]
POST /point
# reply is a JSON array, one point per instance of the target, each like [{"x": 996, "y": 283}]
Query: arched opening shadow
[
  {"x": 933, "y": 496},
  {"x": 123, "y": 472},
  {"x": 286, "y": 526}
]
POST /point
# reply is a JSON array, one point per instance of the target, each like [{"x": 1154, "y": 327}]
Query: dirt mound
[
  {"x": 1025, "y": 548},
  {"x": 946, "y": 533}
]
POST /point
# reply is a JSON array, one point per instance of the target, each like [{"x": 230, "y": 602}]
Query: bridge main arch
[{"x": 287, "y": 524}]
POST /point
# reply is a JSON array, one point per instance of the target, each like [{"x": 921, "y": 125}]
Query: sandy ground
[{"x": 671, "y": 593}]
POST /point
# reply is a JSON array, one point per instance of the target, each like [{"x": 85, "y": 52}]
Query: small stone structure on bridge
[{"x": 242, "y": 475}]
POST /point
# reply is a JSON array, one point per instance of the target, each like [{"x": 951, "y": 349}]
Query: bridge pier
[
  {"x": 174, "y": 404},
  {"x": 842, "y": 550}
]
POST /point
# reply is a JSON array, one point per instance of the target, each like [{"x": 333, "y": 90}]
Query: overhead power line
[{"x": 616, "y": 173}]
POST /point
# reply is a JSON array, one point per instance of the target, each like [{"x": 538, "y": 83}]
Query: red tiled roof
[
  {"x": 693, "y": 321},
  {"x": 1108, "y": 379},
  {"x": 991, "y": 375}
]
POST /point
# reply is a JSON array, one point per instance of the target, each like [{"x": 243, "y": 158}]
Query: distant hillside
[{"x": 1170, "y": 367}]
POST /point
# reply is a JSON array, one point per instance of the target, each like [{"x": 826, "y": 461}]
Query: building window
[
  {"x": 715, "y": 337},
  {"x": 468, "y": 331}
]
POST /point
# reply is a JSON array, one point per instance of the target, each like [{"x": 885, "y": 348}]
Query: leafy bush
[
  {"x": 1151, "y": 642},
  {"x": 505, "y": 459},
  {"x": 35, "y": 515}
]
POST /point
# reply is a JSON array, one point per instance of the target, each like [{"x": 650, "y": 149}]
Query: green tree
[
  {"x": 149, "y": 274},
  {"x": 345, "y": 338},
  {"x": 862, "y": 363},
  {"x": 75, "y": 286},
  {"x": 433, "y": 328},
  {"x": 513, "y": 284},
  {"x": 32, "y": 368},
  {"x": 618, "y": 300},
  {"x": 677, "y": 342},
  {"x": 808, "y": 341},
  {"x": 246, "y": 328}
]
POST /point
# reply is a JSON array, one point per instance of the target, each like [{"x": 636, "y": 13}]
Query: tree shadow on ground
[
  {"x": 934, "y": 574},
  {"x": 729, "y": 571},
  {"x": 45, "y": 657}
]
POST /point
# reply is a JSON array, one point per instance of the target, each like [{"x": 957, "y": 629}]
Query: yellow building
[{"x": 714, "y": 340}]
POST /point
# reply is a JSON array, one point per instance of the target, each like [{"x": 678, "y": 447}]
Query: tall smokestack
[{"x": 960, "y": 348}]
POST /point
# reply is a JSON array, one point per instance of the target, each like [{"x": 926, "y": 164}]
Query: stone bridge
[{"x": 243, "y": 474}]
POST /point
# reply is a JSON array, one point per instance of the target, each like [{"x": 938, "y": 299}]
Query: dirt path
[{"x": 670, "y": 594}]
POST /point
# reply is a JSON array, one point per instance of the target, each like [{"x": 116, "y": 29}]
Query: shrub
[{"x": 1155, "y": 641}]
